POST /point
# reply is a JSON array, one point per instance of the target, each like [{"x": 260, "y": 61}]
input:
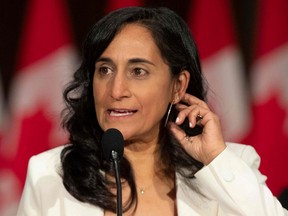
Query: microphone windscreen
[{"x": 112, "y": 139}]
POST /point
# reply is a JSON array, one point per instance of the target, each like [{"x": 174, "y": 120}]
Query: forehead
[
  {"x": 133, "y": 39},
  {"x": 135, "y": 33}
]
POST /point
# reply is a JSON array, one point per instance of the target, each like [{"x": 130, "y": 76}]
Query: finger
[
  {"x": 185, "y": 141},
  {"x": 180, "y": 107},
  {"x": 199, "y": 119},
  {"x": 190, "y": 99},
  {"x": 194, "y": 114}
]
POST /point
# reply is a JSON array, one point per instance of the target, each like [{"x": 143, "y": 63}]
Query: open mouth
[{"x": 121, "y": 112}]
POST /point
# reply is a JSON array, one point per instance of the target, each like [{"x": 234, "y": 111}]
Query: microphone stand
[{"x": 118, "y": 182}]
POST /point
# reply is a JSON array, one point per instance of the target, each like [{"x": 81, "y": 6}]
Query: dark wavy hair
[{"x": 83, "y": 167}]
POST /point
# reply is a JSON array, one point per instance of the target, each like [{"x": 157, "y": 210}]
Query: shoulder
[
  {"x": 49, "y": 154},
  {"x": 44, "y": 192},
  {"x": 45, "y": 163}
]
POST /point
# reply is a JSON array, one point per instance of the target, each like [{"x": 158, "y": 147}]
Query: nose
[{"x": 120, "y": 87}]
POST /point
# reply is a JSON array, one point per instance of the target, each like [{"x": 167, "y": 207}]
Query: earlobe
[{"x": 181, "y": 85}]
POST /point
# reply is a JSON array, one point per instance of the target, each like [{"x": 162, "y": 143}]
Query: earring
[{"x": 168, "y": 113}]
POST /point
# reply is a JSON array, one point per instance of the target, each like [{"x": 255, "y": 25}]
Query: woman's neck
[
  {"x": 143, "y": 158},
  {"x": 146, "y": 164}
]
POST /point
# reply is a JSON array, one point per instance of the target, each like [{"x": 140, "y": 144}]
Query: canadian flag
[
  {"x": 46, "y": 62},
  {"x": 211, "y": 24},
  {"x": 112, "y": 5},
  {"x": 269, "y": 79}
]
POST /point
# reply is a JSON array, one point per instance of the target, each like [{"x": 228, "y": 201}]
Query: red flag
[
  {"x": 269, "y": 78},
  {"x": 212, "y": 27},
  {"x": 115, "y": 4},
  {"x": 46, "y": 60}
]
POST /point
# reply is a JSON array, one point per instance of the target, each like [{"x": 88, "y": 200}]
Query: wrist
[{"x": 213, "y": 154}]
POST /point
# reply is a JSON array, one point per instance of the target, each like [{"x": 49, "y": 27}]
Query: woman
[{"x": 141, "y": 75}]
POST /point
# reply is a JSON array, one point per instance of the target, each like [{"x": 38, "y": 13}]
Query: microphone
[
  {"x": 112, "y": 140},
  {"x": 113, "y": 148}
]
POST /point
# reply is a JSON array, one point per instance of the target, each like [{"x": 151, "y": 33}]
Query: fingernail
[
  {"x": 177, "y": 120},
  {"x": 190, "y": 125}
]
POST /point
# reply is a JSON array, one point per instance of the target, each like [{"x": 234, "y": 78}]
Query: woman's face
[{"x": 132, "y": 85}]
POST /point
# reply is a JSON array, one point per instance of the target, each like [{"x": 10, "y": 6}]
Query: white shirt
[{"x": 230, "y": 185}]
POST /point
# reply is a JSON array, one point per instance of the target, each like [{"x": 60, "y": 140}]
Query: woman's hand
[{"x": 207, "y": 145}]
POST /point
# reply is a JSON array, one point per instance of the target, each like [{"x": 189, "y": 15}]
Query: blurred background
[{"x": 243, "y": 46}]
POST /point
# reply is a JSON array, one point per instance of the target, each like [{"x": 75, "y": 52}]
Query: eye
[
  {"x": 103, "y": 70},
  {"x": 139, "y": 72}
]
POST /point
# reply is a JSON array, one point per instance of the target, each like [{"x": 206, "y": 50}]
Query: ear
[{"x": 180, "y": 86}]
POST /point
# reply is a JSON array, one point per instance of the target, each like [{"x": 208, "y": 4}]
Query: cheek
[
  {"x": 156, "y": 100},
  {"x": 99, "y": 91}
]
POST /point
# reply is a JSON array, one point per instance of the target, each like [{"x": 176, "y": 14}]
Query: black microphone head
[{"x": 112, "y": 139}]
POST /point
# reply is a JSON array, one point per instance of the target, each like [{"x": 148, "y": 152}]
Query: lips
[{"x": 121, "y": 112}]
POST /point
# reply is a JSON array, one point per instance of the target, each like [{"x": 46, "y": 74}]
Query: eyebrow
[
  {"x": 104, "y": 59},
  {"x": 140, "y": 60},
  {"x": 132, "y": 61}
]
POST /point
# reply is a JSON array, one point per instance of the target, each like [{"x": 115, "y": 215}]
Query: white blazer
[{"x": 230, "y": 185}]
